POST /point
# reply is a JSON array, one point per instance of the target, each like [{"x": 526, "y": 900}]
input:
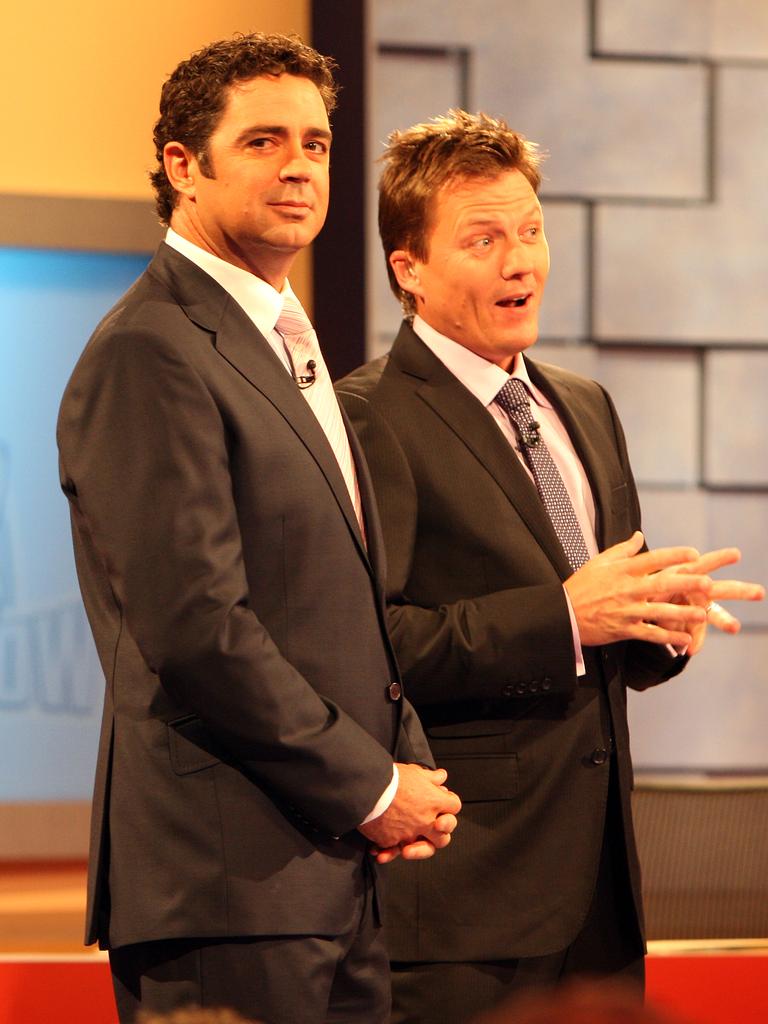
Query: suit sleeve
[
  {"x": 506, "y": 645},
  {"x": 144, "y": 458}
]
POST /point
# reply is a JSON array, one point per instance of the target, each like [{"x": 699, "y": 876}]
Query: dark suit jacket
[
  {"x": 482, "y": 633},
  {"x": 248, "y": 719}
]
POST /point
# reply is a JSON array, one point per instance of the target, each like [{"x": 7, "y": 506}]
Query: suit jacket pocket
[
  {"x": 482, "y": 776},
  {"x": 190, "y": 745}
]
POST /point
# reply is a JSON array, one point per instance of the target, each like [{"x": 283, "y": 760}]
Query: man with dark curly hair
[{"x": 257, "y": 759}]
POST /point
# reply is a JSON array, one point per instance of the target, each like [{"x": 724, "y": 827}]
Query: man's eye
[
  {"x": 260, "y": 143},
  {"x": 315, "y": 146},
  {"x": 482, "y": 243},
  {"x": 532, "y": 232}
]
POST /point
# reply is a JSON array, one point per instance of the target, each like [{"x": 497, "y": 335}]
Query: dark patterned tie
[{"x": 513, "y": 399}]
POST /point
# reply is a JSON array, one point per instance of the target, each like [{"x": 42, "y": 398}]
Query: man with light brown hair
[{"x": 522, "y": 603}]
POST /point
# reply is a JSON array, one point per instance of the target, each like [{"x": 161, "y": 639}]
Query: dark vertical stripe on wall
[{"x": 339, "y": 252}]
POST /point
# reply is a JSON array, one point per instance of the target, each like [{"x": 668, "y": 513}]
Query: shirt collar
[
  {"x": 479, "y": 376},
  {"x": 259, "y": 300}
]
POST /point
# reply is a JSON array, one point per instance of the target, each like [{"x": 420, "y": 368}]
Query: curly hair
[
  {"x": 194, "y": 96},
  {"x": 419, "y": 161}
]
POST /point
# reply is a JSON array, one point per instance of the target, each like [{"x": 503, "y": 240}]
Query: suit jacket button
[
  {"x": 395, "y": 691},
  {"x": 508, "y": 691},
  {"x": 599, "y": 755},
  {"x": 535, "y": 686},
  {"x": 521, "y": 688},
  {"x": 546, "y": 683}
]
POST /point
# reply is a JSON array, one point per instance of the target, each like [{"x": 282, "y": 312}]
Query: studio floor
[{"x": 47, "y": 975}]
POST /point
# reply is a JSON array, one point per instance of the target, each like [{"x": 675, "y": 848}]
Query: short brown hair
[
  {"x": 419, "y": 161},
  {"x": 194, "y": 96}
]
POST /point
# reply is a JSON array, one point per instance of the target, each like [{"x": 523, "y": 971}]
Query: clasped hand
[{"x": 420, "y": 818}]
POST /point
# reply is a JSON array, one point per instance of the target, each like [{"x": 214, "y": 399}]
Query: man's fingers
[
  {"x": 448, "y": 803},
  {"x": 654, "y": 634},
  {"x": 698, "y": 636},
  {"x": 384, "y": 856},
  {"x": 672, "y": 615},
  {"x": 722, "y": 619},
  {"x": 661, "y": 558},
  {"x": 712, "y": 560},
  {"x": 624, "y": 549},
  {"x": 445, "y": 823},
  {"x": 421, "y": 849},
  {"x": 438, "y": 839},
  {"x": 671, "y": 584},
  {"x": 418, "y": 849},
  {"x": 736, "y": 590}
]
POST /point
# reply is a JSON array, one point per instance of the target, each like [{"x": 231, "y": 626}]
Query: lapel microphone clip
[{"x": 307, "y": 380}]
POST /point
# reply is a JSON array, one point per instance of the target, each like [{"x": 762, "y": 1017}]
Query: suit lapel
[
  {"x": 252, "y": 356},
  {"x": 236, "y": 338},
  {"x": 476, "y": 430}
]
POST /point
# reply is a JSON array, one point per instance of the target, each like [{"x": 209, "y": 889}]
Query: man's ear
[
  {"x": 181, "y": 168},
  {"x": 405, "y": 269}
]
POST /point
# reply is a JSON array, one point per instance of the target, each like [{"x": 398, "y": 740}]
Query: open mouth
[{"x": 514, "y": 301}]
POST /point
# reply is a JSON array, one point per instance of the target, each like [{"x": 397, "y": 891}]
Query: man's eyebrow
[
  {"x": 480, "y": 219},
  {"x": 282, "y": 131}
]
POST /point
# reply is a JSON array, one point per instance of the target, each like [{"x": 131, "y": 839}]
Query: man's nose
[
  {"x": 297, "y": 165},
  {"x": 518, "y": 260}
]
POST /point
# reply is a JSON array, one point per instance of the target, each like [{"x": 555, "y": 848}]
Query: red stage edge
[
  {"x": 702, "y": 988},
  {"x": 57, "y": 988}
]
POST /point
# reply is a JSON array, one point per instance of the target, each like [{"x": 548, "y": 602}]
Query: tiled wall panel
[
  {"x": 695, "y": 274},
  {"x": 657, "y": 395},
  {"x": 740, "y": 520},
  {"x": 672, "y": 27},
  {"x": 710, "y": 717},
  {"x": 583, "y": 359},
  {"x": 721, "y": 29},
  {"x": 736, "y": 420},
  {"x": 675, "y": 515},
  {"x": 408, "y": 88},
  {"x": 564, "y": 313}
]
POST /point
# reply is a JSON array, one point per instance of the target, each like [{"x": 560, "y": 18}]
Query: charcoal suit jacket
[
  {"x": 249, "y": 718},
  {"x": 482, "y": 632}
]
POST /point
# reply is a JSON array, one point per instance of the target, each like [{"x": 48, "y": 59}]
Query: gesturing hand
[
  {"x": 721, "y": 590},
  {"x": 621, "y": 594}
]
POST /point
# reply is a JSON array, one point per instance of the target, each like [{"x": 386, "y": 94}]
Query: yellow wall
[{"x": 80, "y": 83}]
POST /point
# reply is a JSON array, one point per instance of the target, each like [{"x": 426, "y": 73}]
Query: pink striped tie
[{"x": 302, "y": 344}]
